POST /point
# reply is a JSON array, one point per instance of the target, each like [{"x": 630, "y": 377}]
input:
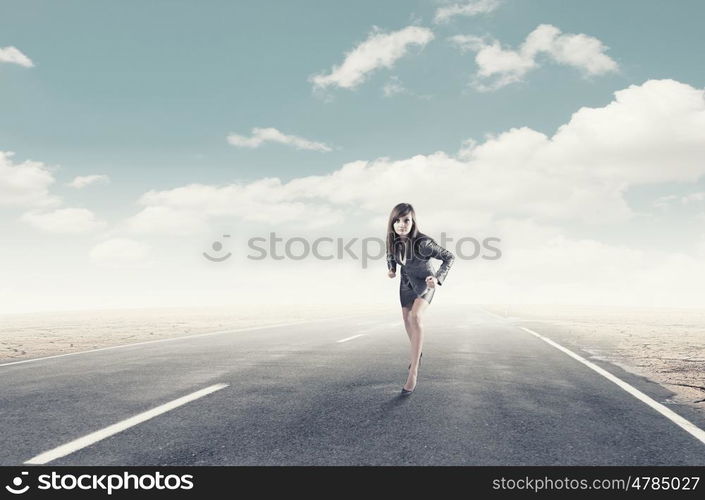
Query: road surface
[{"x": 326, "y": 392}]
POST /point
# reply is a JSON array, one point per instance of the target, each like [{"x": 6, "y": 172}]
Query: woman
[{"x": 412, "y": 249}]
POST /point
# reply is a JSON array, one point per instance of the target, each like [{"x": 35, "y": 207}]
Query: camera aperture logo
[
  {"x": 17, "y": 488},
  {"x": 217, "y": 246}
]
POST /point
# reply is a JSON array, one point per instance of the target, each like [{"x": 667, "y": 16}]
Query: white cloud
[
  {"x": 380, "y": 50},
  {"x": 468, "y": 8},
  {"x": 584, "y": 271},
  {"x": 119, "y": 252},
  {"x": 499, "y": 67},
  {"x": 665, "y": 201},
  {"x": 262, "y": 135},
  {"x": 648, "y": 134},
  {"x": 186, "y": 210},
  {"x": 394, "y": 87},
  {"x": 524, "y": 186},
  {"x": 669, "y": 200},
  {"x": 693, "y": 198},
  {"x": 82, "y": 181},
  {"x": 700, "y": 247},
  {"x": 167, "y": 218},
  {"x": 25, "y": 184},
  {"x": 64, "y": 220},
  {"x": 14, "y": 56}
]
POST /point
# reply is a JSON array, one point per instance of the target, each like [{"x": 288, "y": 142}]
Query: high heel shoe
[
  {"x": 405, "y": 392},
  {"x": 419, "y": 363}
]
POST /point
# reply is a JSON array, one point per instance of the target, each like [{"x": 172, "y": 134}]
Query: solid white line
[
  {"x": 684, "y": 424},
  {"x": 94, "y": 437},
  {"x": 171, "y": 339},
  {"x": 350, "y": 338}
]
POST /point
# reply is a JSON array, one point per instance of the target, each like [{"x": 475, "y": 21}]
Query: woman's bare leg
[
  {"x": 405, "y": 312},
  {"x": 416, "y": 338}
]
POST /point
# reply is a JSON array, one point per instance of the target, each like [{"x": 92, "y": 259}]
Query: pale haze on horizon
[{"x": 157, "y": 134}]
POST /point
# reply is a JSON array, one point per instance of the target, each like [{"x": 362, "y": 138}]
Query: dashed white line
[
  {"x": 351, "y": 338},
  {"x": 684, "y": 424},
  {"x": 494, "y": 315},
  {"x": 172, "y": 339},
  {"x": 94, "y": 437}
]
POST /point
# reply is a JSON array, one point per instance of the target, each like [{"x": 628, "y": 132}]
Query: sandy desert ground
[
  {"x": 32, "y": 335},
  {"x": 664, "y": 345}
]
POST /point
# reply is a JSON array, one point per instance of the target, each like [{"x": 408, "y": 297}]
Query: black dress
[{"x": 417, "y": 267}]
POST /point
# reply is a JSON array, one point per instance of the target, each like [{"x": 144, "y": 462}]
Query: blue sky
[
  {"x": 152, "y": 88},
  {"x": 146, "y": 93}
]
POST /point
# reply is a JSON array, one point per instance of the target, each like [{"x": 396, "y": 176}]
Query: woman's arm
[
  {"x": 432, "y": 249},
  {"x": 391, "y": 263}
]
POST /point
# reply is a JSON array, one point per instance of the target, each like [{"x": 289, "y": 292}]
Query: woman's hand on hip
[{"x": 431, "y": 281}]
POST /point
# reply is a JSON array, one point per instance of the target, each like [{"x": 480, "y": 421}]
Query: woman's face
[{"x": 403, "y": 225}]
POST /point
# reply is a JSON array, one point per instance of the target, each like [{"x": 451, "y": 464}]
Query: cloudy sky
[{"x": 135, "y": 135}]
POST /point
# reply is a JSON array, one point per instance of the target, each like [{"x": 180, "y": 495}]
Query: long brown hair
[{"x": 395, "y": 244}]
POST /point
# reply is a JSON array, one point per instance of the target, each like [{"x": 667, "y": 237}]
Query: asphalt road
[{"x": 489, "y": 393}]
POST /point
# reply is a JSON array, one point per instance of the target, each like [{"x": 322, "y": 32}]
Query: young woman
[{"x": 410, "y": 248}]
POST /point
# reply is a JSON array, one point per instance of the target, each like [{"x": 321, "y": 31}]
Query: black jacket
[{"x": 417, "y": 267}]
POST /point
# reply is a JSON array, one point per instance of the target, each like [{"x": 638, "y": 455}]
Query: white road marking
[
  {"x": 94, "y": 437},
  {"x": 380, "y": 326},
  {"x": 171, "y": 339},
  {"x": 684, "y": 424},
  {"x": 351, "y": 338},
  {"x": 494, "y": 315}
]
